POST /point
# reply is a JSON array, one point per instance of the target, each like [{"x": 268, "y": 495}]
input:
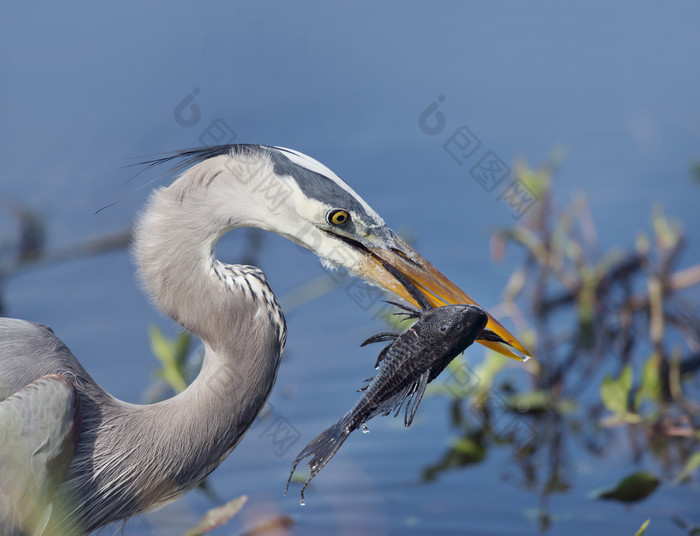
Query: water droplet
[
  {"x": 365, "y": 429},
  {"x": 302, "y": 502}
]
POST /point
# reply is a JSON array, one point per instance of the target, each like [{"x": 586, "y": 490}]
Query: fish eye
[{"x": 337, "y": 216}]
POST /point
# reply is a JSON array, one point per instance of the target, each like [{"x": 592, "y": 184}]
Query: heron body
[{"x": 89, "y": 459}]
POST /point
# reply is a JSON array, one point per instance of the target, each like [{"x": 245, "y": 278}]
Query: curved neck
[
  {"x": 230, "y": 307},
  {"x": 174, "y": 246},
  {"x": 177, "y": 442}
]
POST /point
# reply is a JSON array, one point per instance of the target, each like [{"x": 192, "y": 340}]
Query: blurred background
[{"x": 545, "y": 157}]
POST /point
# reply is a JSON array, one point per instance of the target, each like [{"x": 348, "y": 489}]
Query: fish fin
[
  {"x": 409, "y": 343},
  {"x": 381, "y": 337},
  {"x": 409, "y": 311},
  {"x": 392, "y": 404},
  {"x": 488, "y": 335},
  {"x": 416, "y": 396},
  {"x": 323, "y": 447},
  {"x": 368, "y": 380},
  {"x": 382, "y": 354},
  {"x": 412, "y": 392}
]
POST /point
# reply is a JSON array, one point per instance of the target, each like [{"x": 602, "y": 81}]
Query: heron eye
[{"x": 338, "y": 216}]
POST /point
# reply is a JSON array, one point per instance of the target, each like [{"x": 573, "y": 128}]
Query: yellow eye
[{"x": 338, "y": 216}]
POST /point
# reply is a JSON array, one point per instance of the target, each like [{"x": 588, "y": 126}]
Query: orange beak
[{"x": 437, "y": 288}]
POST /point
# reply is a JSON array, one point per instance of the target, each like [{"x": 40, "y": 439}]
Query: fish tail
[{"x": 322, "y": 448}]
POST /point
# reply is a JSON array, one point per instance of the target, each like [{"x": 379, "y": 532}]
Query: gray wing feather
[
  {"x": 39, "y": 429},
  {"x": 29, "y": 351}
]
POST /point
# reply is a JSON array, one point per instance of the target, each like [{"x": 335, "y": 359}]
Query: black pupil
[{"x": 339, "y": 217}]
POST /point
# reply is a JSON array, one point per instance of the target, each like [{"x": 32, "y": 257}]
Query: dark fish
[{"x": 412, "y": 360}]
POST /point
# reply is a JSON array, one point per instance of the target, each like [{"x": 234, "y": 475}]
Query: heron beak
[{"x": 438, "y": 290}]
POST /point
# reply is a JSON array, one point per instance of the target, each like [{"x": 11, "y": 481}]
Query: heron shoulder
[{"x": 29, "y": 351}]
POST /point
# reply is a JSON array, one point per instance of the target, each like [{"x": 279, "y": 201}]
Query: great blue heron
[{"x": 72, "y": 457}]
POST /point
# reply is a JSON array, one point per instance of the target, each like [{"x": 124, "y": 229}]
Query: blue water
[{"x": 87, "y": 88}]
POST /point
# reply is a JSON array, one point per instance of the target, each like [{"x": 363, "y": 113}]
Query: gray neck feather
[{"x": 152, "y": 454}]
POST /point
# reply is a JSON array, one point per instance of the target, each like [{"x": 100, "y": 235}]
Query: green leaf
[
  {"x": 530, "y": 402},
  {"x": 650, "y": 388},
  {"x": 633, "y": 488},
  {"x": 586, "y": 297},
  {"x": 172, "y": 354},
  {"x": 182, "y": 348},
  {"x": 459, "y": 380},
  {"x": 667, "y": 232},
  {"x": 615, "y": 392},
  {"x": 643, "y": 528},
  {"x": 469, "y": 450},
  {"x": 491, "y": 366},
  {"x": 160, "y": 346},
  {"x": 689, "y": 468},
  {"x": 485, "y": 374}
]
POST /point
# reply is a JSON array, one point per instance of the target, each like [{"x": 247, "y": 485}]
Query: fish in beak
[{"x": 437, "y": 288}]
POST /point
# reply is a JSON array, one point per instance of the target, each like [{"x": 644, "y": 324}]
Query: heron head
[
  {"x": 293, "y": 195},
  {"x": 343, "y": 230}
]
